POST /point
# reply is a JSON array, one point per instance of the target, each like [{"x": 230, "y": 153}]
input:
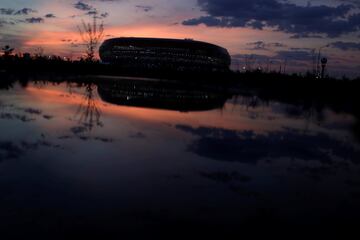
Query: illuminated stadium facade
[{"x": 170, "y": 54}]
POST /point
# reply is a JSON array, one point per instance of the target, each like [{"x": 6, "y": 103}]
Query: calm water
[{"x": 113, "y": 159}]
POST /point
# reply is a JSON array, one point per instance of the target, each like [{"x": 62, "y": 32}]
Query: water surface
[{"x": 107, "y": 159}]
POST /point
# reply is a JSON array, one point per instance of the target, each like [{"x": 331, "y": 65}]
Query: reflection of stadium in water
[{"x": 161, "y": 95}]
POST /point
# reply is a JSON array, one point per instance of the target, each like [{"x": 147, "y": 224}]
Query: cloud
[
  {"x": 261, "y": 45},
  {"x": 11, "y": 150},
  {"x": 305, "y": 35},
  {"x": 92, "y": 12},
  {"x": 284, "y": 16},
  {"x": 353, "y": 2},
  {"x": 96, "y": 14},
  {"x": 83, "y": 6},
  {"x": 253, "y": 57},
  {"x": 104, "y": 15},
  {"x": 34, "y": 20},
  {"x": 10, "y": 11},
  {"x": 6, "y": 11},
  {"x": 50, "y": 15},
  {"x": 144, "y": 8},
  {"x": 6, "y": 22},
  {"x": 293, "y": 55},
  {"x": 25, "y": 11},
  {"x": 345, "y": 46}
]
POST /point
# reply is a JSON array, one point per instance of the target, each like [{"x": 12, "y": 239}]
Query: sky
[{"x": 258, "y": 33}]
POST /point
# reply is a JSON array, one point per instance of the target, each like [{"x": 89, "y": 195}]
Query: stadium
[{"x": 167, "y": 54}]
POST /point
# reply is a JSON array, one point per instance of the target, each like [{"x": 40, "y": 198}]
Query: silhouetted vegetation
[{"x": 91, "y": 34}]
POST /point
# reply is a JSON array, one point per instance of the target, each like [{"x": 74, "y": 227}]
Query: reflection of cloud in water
[
  {"x": 15, "y": 116},
  {"x": 250, "y": 147},
  {"x": 11, "y": 150},
  {"x": 48, "y": 117},
  {"x": 80, "y": 132},
  {"x": 85, "y": 138},
  {"x": 225, "y": 177},
  {"x": 315, "y": 173},
  {"x": 10, "y": 112},
  {"x": 138, "y": 135},
  {"x": 32, "y": 111}
]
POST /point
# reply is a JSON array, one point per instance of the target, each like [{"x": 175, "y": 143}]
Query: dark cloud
[
  {"x": 83, "y": 6},
  {"x": 6, "y": 22},
  {"x": 25, "y": 11},
  {"x": 92, "y": 12},
  {"x": 210, "y": 22},
  {"x": 6, "y": 11},
  {"x": 50, "y": 15},
  {"x": 96, "y": 14},
  {"x": 354, "y": 2},
  {"x": 34, "y": 20},
  {"x": 345, "y": 46},
  {"x": 104, "y": 15},
  {"x": 144, "y": 8},
  {"x": 305, "y": 35},
  {"x": 10, "y": 11},
  {"x": 257, "y": 57},
  {"x": 261, "y": 45},
  {"x": 280, "y": 16},
  {"x": 301, "y": 49}
]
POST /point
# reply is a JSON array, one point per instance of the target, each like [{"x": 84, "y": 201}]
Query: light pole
[{"x": 323, "y": 66}]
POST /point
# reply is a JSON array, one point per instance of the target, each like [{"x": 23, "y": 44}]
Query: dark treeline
[{"x": 27, "y": 64}]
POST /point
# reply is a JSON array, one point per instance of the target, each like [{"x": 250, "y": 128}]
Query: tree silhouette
[
  {"x": 91, "y": 34},
  {"x": 39, "y": 52},
  {"x": 7, "y": 50}
]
